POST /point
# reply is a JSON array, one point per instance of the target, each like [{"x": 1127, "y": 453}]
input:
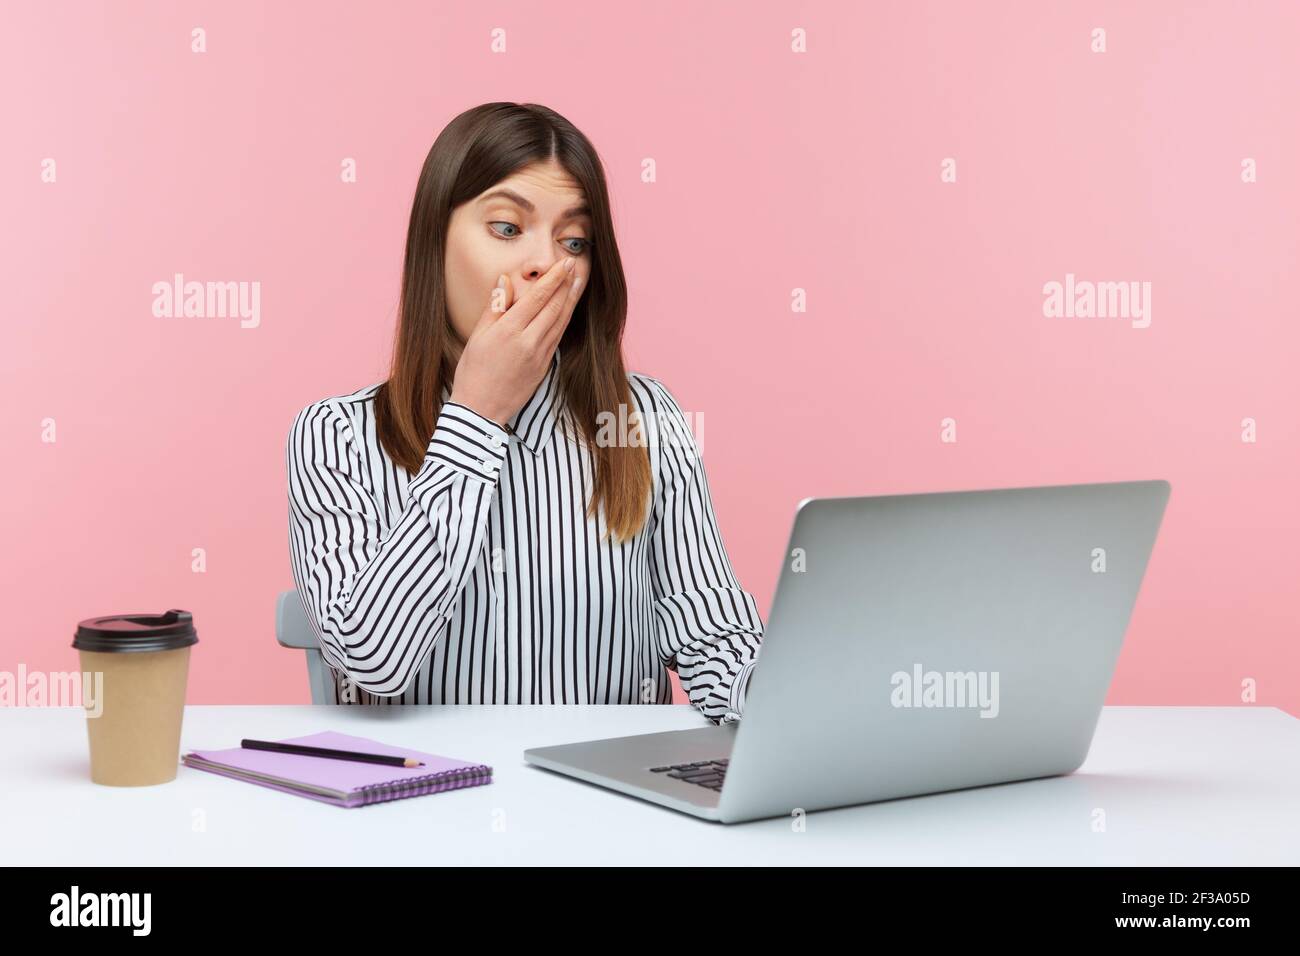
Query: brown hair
[{"x": 476, "y": 150}]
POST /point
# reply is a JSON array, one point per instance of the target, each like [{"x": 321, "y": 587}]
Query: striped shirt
[{"x": 480, "y": 579}]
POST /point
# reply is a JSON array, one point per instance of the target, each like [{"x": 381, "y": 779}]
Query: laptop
[{"x": 916, "y": 644}]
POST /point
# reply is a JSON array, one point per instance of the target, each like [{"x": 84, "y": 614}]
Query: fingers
[
  {"x": 554, "y": 310},
  {"x": 555, "y": 331},
  {"x": 523, "y": 312}
]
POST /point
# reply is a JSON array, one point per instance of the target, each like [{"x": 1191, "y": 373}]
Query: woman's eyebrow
[{"x": 572, "y": 213}]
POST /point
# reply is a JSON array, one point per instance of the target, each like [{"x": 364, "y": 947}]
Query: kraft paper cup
[{"x": 136, "y": 739}]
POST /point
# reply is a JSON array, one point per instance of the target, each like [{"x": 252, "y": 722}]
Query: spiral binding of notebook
[{"x": 429, "y": 783}]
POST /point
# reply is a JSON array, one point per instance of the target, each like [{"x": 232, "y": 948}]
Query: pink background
[{"x": 776, "y": 171}]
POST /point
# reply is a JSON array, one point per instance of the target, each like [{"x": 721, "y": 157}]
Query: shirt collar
[{"x": 534, "y": 424}]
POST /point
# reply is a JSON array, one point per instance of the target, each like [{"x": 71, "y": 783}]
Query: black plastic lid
[{"x": 136, "y": 632}]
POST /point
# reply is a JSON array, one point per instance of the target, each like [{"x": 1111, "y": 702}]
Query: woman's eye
[
  {"x": 581, "y": 248},
  {"x": 511, "y": 225}
]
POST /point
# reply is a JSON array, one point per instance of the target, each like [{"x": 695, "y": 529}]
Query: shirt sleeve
[
  {"x": 706, "y": 626},
  {"x": 379, "y": 597}
]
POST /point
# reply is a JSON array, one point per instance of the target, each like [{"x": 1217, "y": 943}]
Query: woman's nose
[{"x": 538, "y": 268}]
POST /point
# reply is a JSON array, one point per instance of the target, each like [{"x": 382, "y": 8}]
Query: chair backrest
[{"x": 292, "y": 629}]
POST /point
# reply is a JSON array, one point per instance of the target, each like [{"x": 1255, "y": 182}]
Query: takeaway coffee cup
[{"x": 135, "y": 740}]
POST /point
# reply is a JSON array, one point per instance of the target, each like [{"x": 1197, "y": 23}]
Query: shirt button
[
  {"x": 496, "y": 441},
  {"x": 489, "y": 466}
]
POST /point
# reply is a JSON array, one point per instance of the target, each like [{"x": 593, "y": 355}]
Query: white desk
[{"x": 1178, "y": 785}]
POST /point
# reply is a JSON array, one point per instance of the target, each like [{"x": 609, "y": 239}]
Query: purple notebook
[{"x": 344, "y": 783}]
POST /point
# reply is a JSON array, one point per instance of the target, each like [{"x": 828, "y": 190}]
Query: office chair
[{"x": 292, "y": 629}]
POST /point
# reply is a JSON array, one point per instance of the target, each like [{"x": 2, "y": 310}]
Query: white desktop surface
[{"x": 1177, "y": 786}]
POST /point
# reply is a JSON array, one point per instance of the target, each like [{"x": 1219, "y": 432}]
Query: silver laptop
[{"x": 916, "y": 644}]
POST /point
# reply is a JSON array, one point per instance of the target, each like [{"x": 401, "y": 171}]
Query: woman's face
[{"x": 520, "y": 227}]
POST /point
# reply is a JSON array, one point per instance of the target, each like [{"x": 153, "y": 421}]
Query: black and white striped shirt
[{"x": 481, "y": 580}]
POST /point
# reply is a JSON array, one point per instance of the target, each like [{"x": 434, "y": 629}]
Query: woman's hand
[{"x": 511, "y": 346}]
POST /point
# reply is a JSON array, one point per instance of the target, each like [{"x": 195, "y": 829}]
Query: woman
[{"x": 468, "y": 531}]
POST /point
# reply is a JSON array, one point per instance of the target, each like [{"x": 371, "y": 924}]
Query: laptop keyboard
[{"x": 706, "y": 773}]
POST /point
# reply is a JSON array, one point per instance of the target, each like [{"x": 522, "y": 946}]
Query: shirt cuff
[
  {"x": 468, "y": 442},
  {"x": 739, "y": 687}
]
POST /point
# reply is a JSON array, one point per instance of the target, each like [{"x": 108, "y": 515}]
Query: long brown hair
[{"x": 476, "y": 150}]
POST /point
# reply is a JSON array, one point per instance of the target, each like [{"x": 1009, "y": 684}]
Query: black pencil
[{"x": 280, "y": 748}]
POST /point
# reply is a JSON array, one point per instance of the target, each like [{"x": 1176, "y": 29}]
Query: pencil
[{"x": 331, "y": 753}]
